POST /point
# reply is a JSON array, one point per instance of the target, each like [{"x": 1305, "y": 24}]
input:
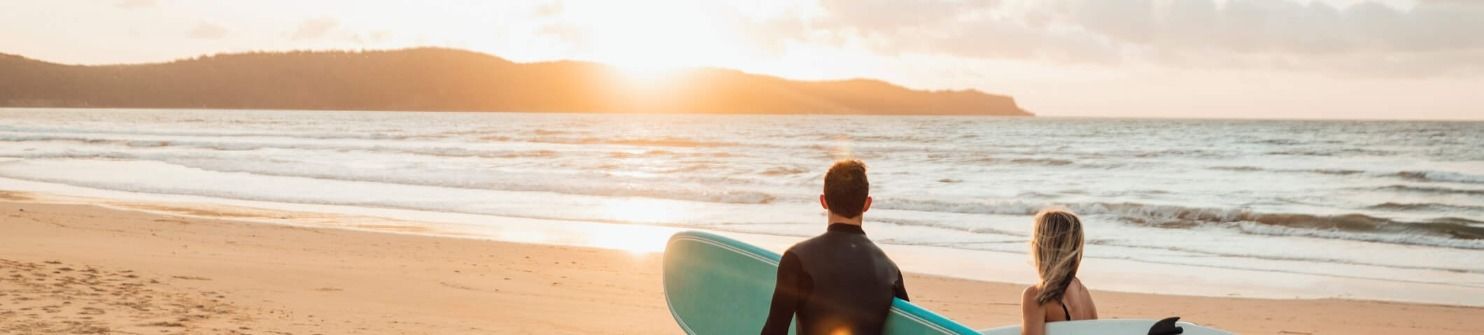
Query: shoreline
[
  {"x": 215, "y": 271},
  {"x": 1113, "y": 274}
]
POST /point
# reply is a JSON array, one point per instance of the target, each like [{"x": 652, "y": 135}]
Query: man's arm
[
  {"x": 900, "y": 288},
  {"x": 792, "y": 287}
]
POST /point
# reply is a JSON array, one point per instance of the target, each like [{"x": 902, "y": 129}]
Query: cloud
[
  {"x": 370, "y": 38},
  {"x": 315, "y": 28},
  {"x": 378, "y": 36},
  {"x": 891, "y": 15},
  {"x": 1283, "y": 26},
  {"x": 549, "y": 9},
  {"x": 1434, "y": 37},
  {"x": 208, "y": 30},
  {"x": 564, "y": 32},
  {"x": 136, "y": 4}
]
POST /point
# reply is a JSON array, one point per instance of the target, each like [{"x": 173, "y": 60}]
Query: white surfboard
[{"x": 1106, "y": 327}]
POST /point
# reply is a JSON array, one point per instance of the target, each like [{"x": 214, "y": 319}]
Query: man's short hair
[{"x": 846, "y": 188}]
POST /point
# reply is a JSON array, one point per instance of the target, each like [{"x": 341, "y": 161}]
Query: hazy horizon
[{"x": 1254, "y": 59}]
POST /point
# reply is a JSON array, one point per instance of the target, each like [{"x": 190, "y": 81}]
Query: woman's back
[
  {"x": 1077, "y": 301},
  {"x": 1056, "y": 250}
]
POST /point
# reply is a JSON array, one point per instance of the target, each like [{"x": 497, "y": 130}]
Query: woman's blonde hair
[{"x": 1056, "y": 248}]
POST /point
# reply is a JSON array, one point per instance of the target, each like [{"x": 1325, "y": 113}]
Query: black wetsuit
[{"x": 835, "y": 281}]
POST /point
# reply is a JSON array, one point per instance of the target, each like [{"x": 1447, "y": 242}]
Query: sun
[
  {"x": 647, "y": 75},
  {"x": 649, "y": 40}
]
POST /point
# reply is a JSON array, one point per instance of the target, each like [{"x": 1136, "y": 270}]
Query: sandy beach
[
  {"x": 89, "y": 269},
  {"x": 1287, "y": 167}
]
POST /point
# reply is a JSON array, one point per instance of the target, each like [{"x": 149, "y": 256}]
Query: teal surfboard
[{"x": 717, "y": 285}]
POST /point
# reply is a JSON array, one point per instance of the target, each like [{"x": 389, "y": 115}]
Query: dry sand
[{"x": 85, "y": 269}]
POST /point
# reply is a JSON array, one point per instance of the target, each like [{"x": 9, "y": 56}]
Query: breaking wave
[{"x": 1440, "y": 232}]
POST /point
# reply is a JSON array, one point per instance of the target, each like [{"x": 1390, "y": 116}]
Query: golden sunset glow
[
  {"x": 1068, "y": 58},
  {"x": 742, "y": 166}
]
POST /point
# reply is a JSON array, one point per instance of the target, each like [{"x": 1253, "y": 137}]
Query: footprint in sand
[{"x": 55, "y": 298}]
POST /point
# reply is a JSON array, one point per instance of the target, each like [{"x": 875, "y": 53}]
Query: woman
[{"x": 1056, "y": 249}]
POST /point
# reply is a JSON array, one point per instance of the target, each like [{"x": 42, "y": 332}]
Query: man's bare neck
[{"x": 844, "y": 220}]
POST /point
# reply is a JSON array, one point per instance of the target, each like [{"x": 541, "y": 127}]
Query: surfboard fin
[{"x": 1166, "y": 327}]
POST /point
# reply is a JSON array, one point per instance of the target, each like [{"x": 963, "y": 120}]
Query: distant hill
[{"x": 435, "y": 79}]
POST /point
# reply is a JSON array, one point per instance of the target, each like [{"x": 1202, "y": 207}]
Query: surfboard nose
[{"x": 717, "y": 285}]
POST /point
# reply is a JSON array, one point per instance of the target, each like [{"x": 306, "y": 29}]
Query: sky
[{"x": 1310, "y": 59}]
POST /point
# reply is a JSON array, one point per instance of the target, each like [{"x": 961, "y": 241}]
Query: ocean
[{"x": 1384, "y": 204}]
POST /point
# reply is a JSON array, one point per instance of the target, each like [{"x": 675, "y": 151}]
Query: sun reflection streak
[
  {"x": 637, "y": 240},
  {"x": 641, "y": 210}
]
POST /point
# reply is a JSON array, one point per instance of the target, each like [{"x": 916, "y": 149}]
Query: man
[{"x": 838, "y": 282}]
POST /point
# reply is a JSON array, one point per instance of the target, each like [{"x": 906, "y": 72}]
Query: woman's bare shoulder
[
  {"x": 1028, "y": 296},
  {"x": 1029, "y": 307},
  {"x": 1031, "y": 291}
]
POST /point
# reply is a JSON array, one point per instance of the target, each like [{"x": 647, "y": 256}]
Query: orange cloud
[
  {"x": 208, "y": 30},
  {"x": 315, "y": 28},
  {"x": 134, "y": 4}
]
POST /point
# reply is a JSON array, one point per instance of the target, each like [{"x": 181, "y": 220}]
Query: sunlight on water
[{"x": 1388, "y": 201}]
